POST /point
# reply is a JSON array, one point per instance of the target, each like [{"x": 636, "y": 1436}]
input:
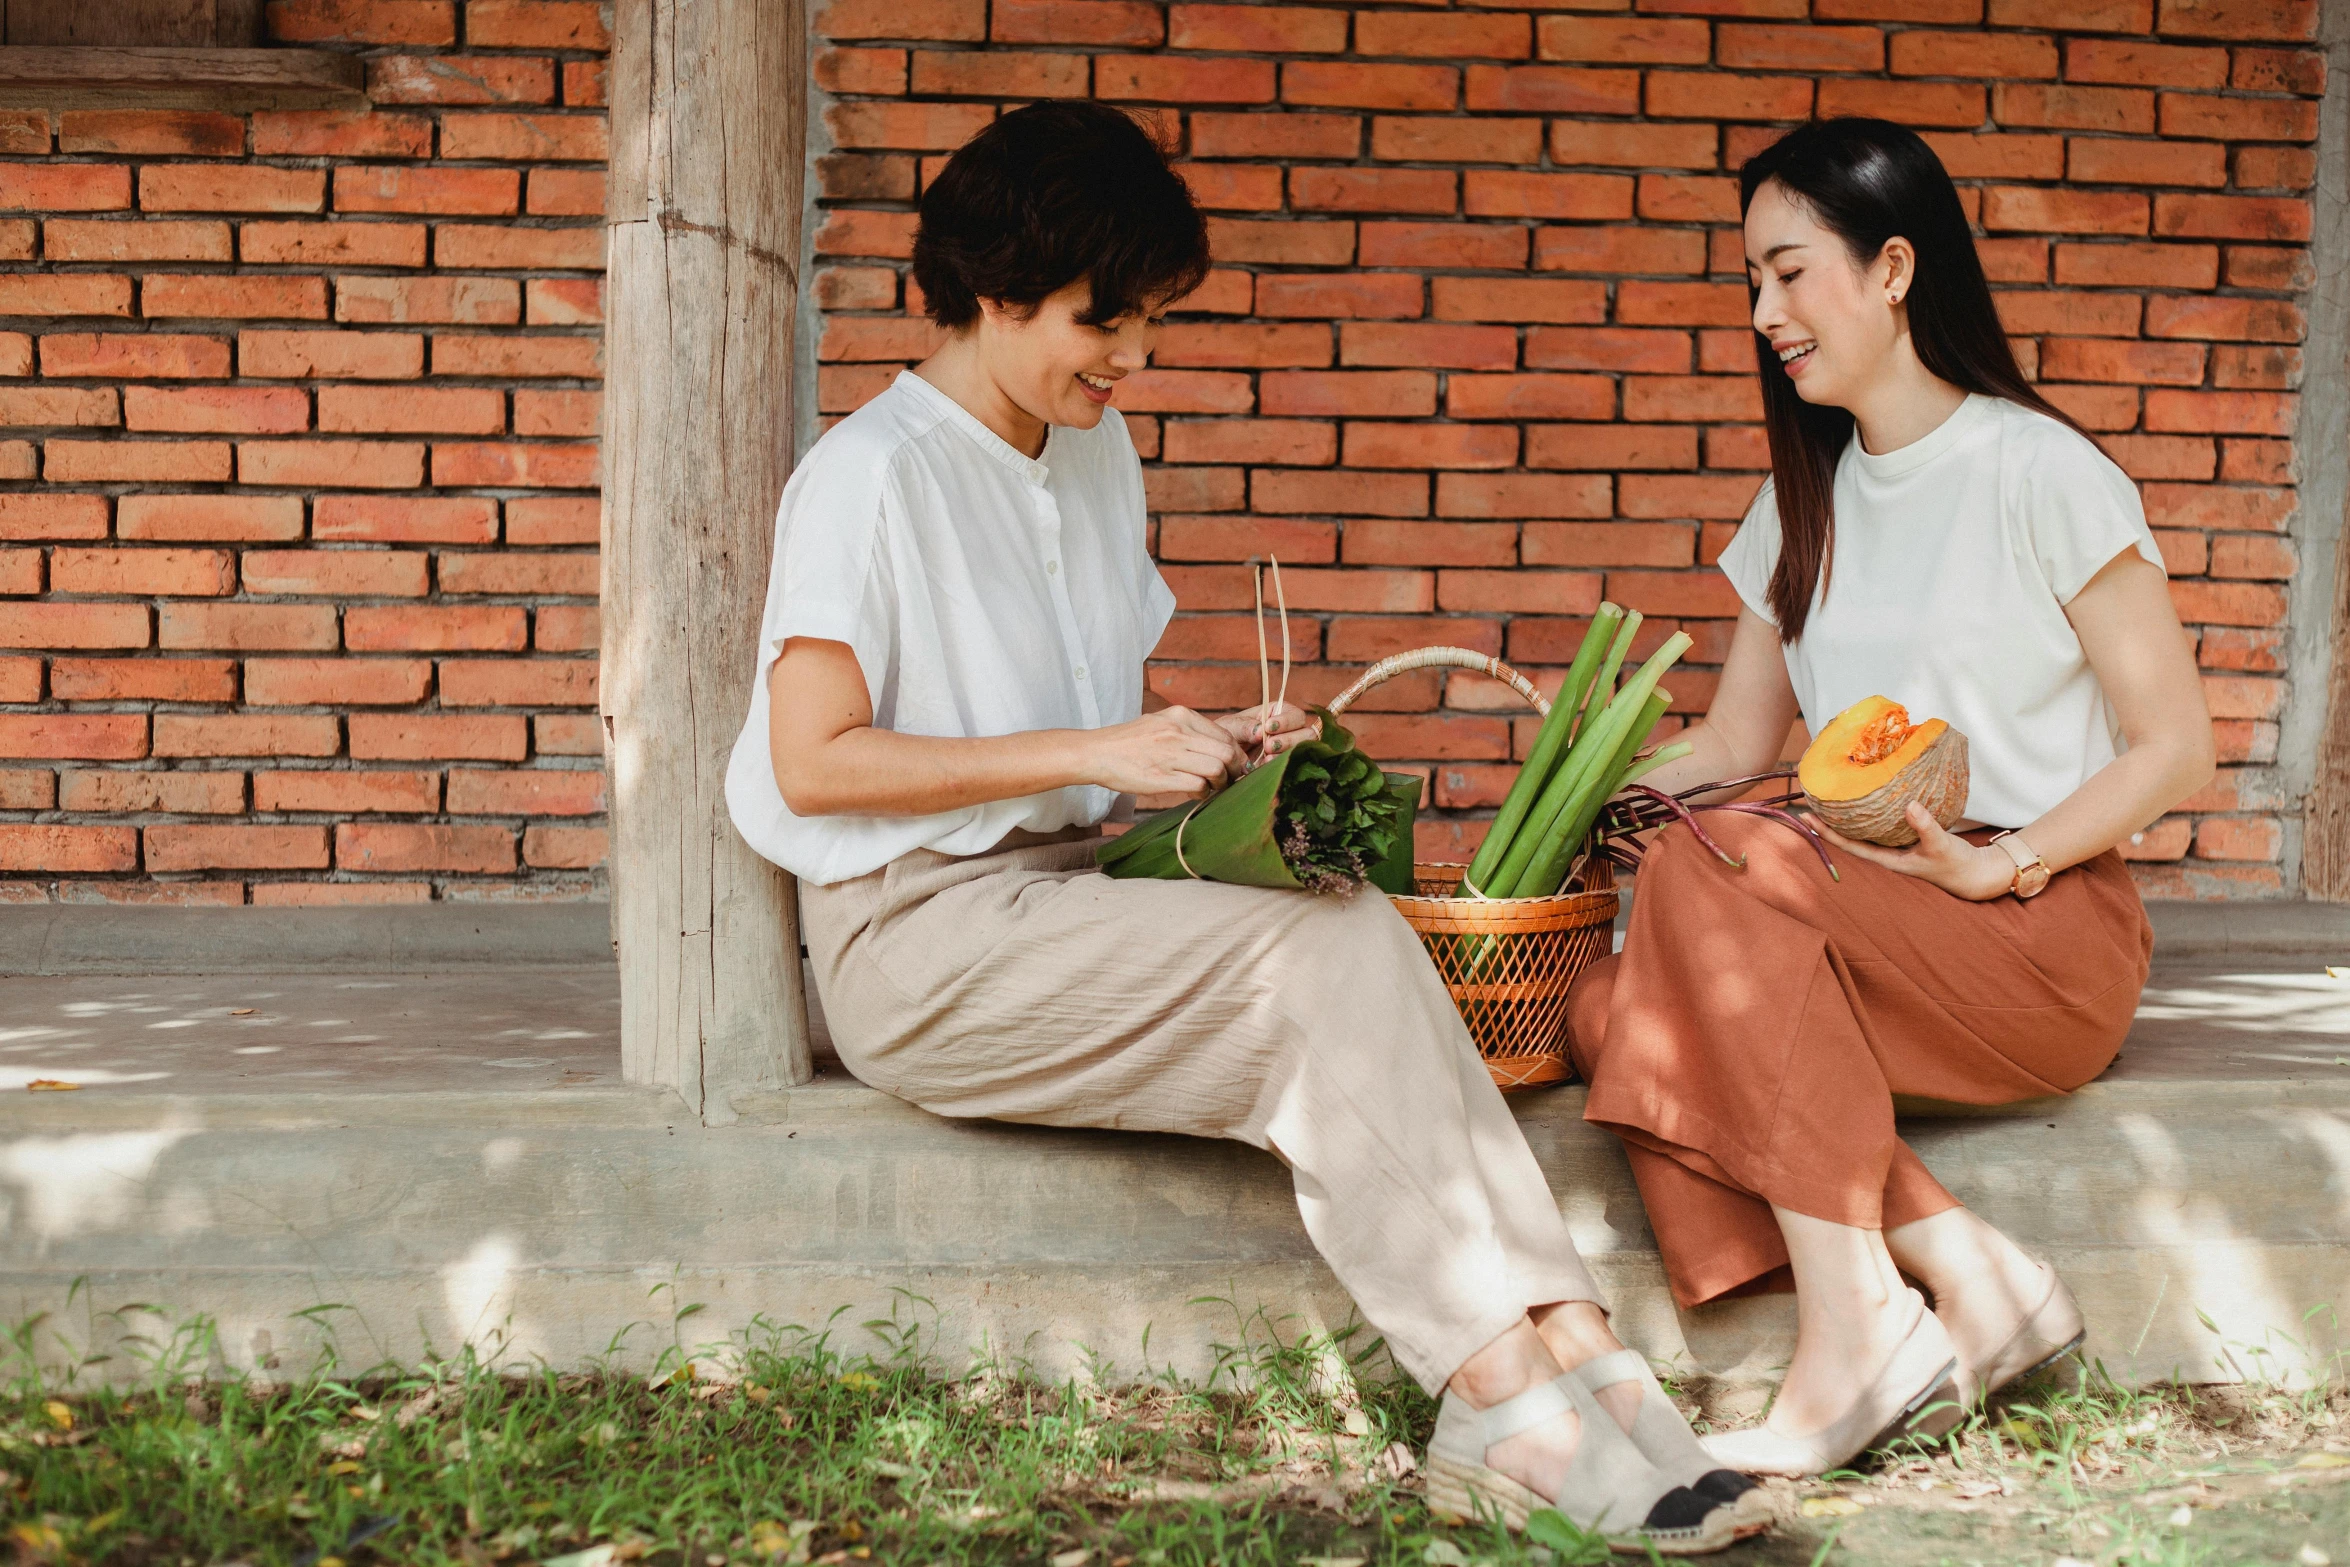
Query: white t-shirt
[
  {"x": 1953, "y": 560},
  {"x": 984, "y": 592}
]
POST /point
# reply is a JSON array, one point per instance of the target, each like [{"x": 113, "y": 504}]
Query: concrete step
[
  {"x": 134, "y": 939},
  {"x": 450, "y": 1158}
]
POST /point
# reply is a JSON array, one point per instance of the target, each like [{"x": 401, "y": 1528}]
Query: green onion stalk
[
  {"x": 1550, "y": 742},
  {"x": 1543, "y": 847},
  {"x": 1592, "y": 771}
]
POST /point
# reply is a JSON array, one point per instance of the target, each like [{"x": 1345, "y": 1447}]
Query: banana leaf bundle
[{"x": 1321, "y": 816}]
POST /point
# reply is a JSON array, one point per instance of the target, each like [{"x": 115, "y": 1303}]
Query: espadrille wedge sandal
[
  {"x": 1665, "y": 1440},
  {"x": 1610, "y": 1490}
]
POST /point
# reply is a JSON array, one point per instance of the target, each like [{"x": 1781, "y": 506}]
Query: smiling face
[
  {"x": 1055, "y": 368},
  {"x": 1834, "y": 322}
]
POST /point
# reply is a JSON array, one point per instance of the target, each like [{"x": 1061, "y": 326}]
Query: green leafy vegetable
[{"x": 1321, "y": 816}]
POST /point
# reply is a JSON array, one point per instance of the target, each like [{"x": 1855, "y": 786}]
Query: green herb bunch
[{"x": 1321, "y": 816}]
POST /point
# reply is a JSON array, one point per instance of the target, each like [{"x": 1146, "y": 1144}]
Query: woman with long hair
[
  {"x": 1932, "y": 531},
  {"x": 949, "y": 702}
]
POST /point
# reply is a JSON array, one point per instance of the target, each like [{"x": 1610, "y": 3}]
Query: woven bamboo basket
[{"x": 1515, "y": 1004}]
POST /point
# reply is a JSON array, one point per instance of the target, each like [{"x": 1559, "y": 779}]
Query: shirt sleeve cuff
[{"x": 829, "y": 622}]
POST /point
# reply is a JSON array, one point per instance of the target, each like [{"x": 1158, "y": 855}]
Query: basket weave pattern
[
  {"x": 1507, "y": 961},
  {"x": 1525, "y": 953}
]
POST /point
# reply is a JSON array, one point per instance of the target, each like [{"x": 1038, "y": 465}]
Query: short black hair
[{"x": 1049, "y": 194}]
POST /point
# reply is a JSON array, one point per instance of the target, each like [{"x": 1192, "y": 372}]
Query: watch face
[{"x": 2030, "y": 880}]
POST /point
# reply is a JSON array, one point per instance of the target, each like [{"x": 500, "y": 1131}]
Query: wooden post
[
  {"x": 2325, "y": 826},
  {"x": 708, "y": 143}
]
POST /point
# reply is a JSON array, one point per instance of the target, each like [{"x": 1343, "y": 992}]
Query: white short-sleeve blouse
[
  {"x": 1954, "y": 557},
  {"x": 983, "y": 592}
]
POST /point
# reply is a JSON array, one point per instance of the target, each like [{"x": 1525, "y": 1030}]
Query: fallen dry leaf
[
  {"x": 241, "y": 1011},
  {"x": 50, "y": 1085},
  {"x": 417, "y": 1407},
  {"x": 1828, "y": 1507}
]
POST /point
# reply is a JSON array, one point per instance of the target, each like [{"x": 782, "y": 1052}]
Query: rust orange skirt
[{"x": 1747, "y": 1043}]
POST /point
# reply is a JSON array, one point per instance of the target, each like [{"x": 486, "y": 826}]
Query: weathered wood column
[
  {"x": 2325, "y": 831},
  {"x": 708, "y": 142}
]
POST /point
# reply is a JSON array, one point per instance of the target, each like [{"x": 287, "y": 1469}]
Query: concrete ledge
[
  {"x": 2286, "y": 925},
  {"x": 87, "y": 939},
  {"x": 443, "y": 1158},
  {"x": 2200, "y": 1223}
]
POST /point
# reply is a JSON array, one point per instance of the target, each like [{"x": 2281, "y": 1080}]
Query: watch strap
[{"x": 2027, "y": 859}]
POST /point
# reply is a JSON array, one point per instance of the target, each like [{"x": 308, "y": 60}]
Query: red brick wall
[
  {"x": 297, "y": 510},
  {"x": 1476, "y": 350}
]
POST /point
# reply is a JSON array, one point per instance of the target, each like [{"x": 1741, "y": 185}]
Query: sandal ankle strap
[
  {"x": 1617, "y": 1365},
  {"x": 1543, "y": 1401}
]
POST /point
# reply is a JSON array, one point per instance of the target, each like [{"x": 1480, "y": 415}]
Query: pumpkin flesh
[{"x": 1869, "y": 762}]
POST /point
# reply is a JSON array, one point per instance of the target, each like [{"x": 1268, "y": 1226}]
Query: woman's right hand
[{"x": 1172, "y": 751}]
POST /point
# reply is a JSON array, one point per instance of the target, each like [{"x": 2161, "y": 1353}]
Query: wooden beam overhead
[
  {"x": 169, "y": 24},
  {"x": 39, "y": 77}
]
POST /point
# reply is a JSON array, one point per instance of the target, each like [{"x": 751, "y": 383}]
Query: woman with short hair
[
  {"x": 1933, "y": 531},
  {"x": 949, "y": 702}
]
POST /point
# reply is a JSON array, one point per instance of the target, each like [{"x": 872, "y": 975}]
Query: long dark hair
[{"x": 1868, "y": 181}]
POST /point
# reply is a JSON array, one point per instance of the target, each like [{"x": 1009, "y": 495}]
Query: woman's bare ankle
[
  {"x": 1574, "y": 1331},
  {"x": 1577, "y": 1331},
  {"x": 1512, "y": 1363},
  {"x": 1982, "y": 1282}
]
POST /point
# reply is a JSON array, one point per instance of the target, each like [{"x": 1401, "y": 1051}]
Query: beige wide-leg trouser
[{"x": 1026, "y": 986}]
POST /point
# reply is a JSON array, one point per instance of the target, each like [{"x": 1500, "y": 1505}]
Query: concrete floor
[
  {"x": 526, "y": 1029},
  {"x": 450, "y": 1157},
  {"x": 490, "y": 1032}
]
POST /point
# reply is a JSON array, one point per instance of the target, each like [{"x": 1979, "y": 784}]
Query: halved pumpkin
[{"x": 1870, "y": 762}]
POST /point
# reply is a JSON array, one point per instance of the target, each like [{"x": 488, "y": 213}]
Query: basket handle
[{"x": 1440, "y": 657}]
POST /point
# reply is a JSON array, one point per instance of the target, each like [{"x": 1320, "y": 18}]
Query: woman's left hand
[
  {"x": 1272, "y": 728},
  {"x": 1975, "y": 872}
]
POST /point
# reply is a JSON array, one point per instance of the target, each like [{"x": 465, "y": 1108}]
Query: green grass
[
  {"x": 807, "y": 1451},
  {"x": 854, "y": 1443}
]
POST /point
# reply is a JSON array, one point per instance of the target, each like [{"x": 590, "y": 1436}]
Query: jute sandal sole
[
  {"x": 1460, "y": 1493},
  {"x": 1752, "y": 1513}
]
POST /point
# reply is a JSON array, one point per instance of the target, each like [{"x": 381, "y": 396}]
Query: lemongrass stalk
[
  {"x": 1550, "y": 743},
  {"x": 1598, "y": 790},
  {"x": 1596, "y": 748},
  {"x": 1603, "y": 689}
]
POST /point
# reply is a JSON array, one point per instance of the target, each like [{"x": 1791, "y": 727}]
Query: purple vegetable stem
[{"x": 1643, "y": 809}]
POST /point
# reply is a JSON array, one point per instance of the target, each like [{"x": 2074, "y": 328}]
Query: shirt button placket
[{"x": 1048, "y": 517}]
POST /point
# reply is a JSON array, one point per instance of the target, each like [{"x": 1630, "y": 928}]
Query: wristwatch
[{"x": 2031, "y": 871}]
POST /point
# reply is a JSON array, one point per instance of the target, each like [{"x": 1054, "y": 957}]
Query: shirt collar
[
  {"x": 1034, "y": 469},
  {"x": 1967, "y": 417}
]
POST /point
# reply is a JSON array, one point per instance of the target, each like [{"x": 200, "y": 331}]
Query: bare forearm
[
  {"x": 2132, "y": 639},
  {"x": 879, "y": 772},
  {"x": 2122, "y": 798}
]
